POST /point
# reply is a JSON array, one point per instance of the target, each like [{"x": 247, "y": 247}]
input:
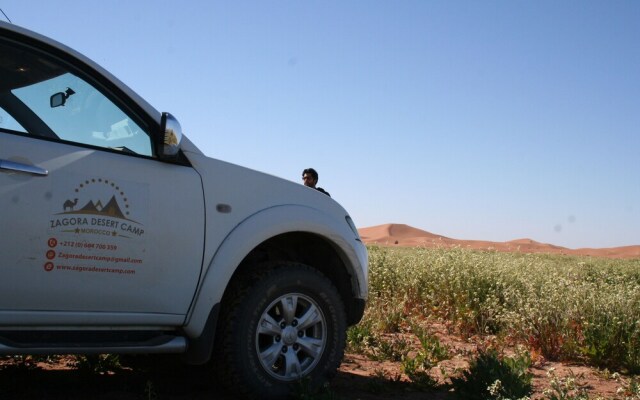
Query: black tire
[{"x": 284, "y": 324}]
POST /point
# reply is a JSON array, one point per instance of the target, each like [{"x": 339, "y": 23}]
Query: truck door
[{"x": 91, "y": 220}]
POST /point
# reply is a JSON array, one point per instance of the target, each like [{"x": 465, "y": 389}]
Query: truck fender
[{"x": 254, "y": 230}]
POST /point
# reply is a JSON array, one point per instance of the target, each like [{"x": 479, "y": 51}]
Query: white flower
[{"x": 494, "y": 389}]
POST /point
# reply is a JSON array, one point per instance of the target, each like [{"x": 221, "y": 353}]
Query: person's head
[{"x": 310, "y": 177}]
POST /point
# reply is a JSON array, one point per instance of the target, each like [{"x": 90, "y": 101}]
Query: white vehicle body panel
[
  {"x": 283, "y": 207},
  {"x": 146, "y": 259}
]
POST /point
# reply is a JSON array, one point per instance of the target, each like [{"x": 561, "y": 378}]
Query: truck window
[{"x": 38, "y": 93}]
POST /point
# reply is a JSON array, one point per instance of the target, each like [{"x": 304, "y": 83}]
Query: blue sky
[{"x": 488, "y": 120}]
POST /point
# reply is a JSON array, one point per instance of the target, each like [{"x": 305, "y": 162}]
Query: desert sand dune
[{"x": 408, "y": 236}]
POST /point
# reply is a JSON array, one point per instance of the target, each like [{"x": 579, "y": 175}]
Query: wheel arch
[
  {"x": 306, "y": 248},
  {"x": 287, "y": 233}
]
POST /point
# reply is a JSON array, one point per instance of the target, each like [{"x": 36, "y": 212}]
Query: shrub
[{"x": 481, "y": 380}]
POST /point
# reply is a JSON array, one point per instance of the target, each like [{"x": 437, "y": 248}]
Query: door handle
[{"x": 29, "y": 169}]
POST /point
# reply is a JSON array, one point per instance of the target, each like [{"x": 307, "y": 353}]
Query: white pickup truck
[{"x": 120, "y": 236}]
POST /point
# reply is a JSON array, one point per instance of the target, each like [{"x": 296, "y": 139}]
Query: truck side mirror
[
  {"x": 57, "y": 100},
  {"x": 60, "y": 98},
  {"x": 171, "y": 136}
]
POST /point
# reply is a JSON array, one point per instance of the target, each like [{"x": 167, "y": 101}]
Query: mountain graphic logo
[{"x": 112, "y": 208}]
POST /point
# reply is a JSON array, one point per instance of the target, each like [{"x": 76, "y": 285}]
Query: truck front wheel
[{"x": 285, "y": 325}]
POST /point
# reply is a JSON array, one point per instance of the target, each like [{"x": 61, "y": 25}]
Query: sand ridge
[{"x": 408, "y": 236}]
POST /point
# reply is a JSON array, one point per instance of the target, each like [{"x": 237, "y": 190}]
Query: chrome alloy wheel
[{"x": 291, "y": 336}]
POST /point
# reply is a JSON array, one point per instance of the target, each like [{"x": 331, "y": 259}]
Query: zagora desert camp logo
[{"x": 97, "y": 206}]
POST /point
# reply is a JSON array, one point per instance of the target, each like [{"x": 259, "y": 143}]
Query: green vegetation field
[{"x": 563, "y": 308}]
